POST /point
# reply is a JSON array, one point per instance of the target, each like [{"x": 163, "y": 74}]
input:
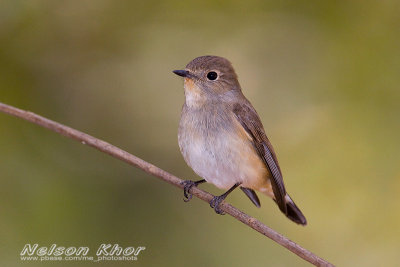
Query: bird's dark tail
[{"x": 293, "y": 212}]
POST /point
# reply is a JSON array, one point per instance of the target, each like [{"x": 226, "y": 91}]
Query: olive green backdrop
[{"x": 324, "y": 77}]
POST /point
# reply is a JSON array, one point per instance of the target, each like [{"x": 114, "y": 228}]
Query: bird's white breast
[{"x": 218, "y": 150}]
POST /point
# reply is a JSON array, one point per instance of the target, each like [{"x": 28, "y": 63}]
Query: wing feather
[{"x": 248, "y": 118}]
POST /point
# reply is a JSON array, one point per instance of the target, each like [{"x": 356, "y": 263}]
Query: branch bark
[{"x": 165, "y": 176}]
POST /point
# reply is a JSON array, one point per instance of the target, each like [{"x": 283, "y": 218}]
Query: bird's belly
[{"x": 224, "y": 159}]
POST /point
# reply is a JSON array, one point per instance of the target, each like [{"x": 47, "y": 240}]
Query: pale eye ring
[{"x": 212, "y": 75}]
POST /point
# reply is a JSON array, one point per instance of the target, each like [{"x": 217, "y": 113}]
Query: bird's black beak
[{"x": 183, "y": 73}]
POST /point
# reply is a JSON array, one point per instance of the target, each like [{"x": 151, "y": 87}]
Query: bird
[{"x": 221, "y": 137}]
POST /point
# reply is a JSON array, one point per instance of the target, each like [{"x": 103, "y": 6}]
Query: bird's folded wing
[{"x": 250, "y": 121}]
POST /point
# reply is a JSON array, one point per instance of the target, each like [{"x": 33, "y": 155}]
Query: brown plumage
[{"x": 222, "y": 139}]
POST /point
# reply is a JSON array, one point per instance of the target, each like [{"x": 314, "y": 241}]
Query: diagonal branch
[{"x": 165, "y": 176}]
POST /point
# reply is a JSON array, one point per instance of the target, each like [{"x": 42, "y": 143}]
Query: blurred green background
[{"x": 324, "y": 77}]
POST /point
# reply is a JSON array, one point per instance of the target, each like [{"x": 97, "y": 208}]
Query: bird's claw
[
  {"x": 187, "y": 185},
  {"x": 215, "y": 202}
]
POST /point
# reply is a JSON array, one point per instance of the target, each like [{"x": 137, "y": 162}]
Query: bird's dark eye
[{"x": 212, "y": 75}]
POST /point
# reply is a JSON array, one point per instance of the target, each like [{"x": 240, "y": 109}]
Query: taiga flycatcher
[{"x": 222, "y": 139}]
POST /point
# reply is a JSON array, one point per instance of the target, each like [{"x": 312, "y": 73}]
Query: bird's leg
[
  {"x": 214, "y": 203},
  {"x": 187, "y": 185}
]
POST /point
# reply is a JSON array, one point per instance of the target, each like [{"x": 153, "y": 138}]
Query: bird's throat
[{"x": 194, "y": 96}]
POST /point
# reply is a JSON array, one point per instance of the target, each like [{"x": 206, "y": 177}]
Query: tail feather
[
  {"x": 252, "y": 196},
  {"x": 293, "y": 212}
]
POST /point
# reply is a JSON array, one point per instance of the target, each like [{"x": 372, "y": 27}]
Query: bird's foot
[
  {"x": 187, "y": 185},
  {"x": 215, "y": 202}
]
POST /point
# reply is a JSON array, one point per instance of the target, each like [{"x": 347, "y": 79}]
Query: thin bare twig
[{"x": 165, "y": 176}]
